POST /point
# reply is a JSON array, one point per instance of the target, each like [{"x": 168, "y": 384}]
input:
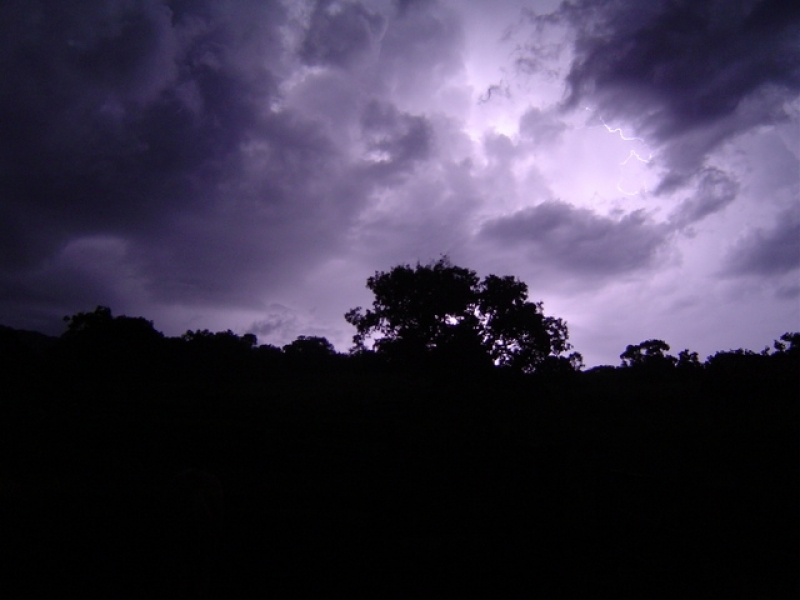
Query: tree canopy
[
  {"x": 444, "y": 308},
  {"x": 651, "y": 354}
]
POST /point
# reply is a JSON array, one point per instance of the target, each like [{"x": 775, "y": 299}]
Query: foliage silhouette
[
  {"x": 343, "y": 473},
  {"x": 110, "y": 354},
  {"x": 443, "y": 308},
  {"x": 688, "y": 361},
  {"x": 651, "y": 354},
  {"x": 100, "y": 329},
  {"x": 309, "y": 348},
  {"x": 793, "y": 341}
]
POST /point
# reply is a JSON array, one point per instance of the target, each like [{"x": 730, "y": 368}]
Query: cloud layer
[
  {"x": 689, "y": 75},
  {"x": 246, "y": 164}
]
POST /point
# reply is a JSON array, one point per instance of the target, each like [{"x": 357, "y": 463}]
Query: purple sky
[{"x": 248, "y": 164}]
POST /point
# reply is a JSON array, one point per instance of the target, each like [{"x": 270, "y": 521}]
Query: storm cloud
[
  {"x": 246, "y": 164},
  {"x": 338, "y": 34},
  {"x": 714, "y": 191},
  {"x": 578, "y": 241},
  {"x": 154, "y": 126},
  {"x": 766, "y": 252},
  {"x": 686, "y": 75}
]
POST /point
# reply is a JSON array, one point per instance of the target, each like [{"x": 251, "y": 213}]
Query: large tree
[{"x": 442, "y": 307}]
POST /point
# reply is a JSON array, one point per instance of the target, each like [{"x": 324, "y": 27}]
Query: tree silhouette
[
  {"x": 440, "y": 307},
  {"x": 309, "y": 348},
  {"x": 101, "y": 328},
  {"x": 793, "y": 341},
  {"x": 648, "y": 354},
  {"x": 88, "y": 321},
  {"x": 516, "y": 331},
  {"x": 102, "y": 348},
  {"x": 688, "y": 361},
  {"x": 221, "y": 355}
]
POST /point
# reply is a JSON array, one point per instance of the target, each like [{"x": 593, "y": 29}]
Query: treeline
[
  {"x": 123, "y": 356},
  {"x": 459, "y": 447},
  {"x": 372, "y": 471}
]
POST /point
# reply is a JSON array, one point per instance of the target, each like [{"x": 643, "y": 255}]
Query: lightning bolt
[
  {"x": 619, "y": 131},
  {"x": 632, "y": 154},
  {"x": 614, "y": 130},
  {"x": 623, "y": 191}
]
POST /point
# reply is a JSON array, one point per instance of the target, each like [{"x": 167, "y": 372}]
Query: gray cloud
[
  {"x": 685, "y": 75},
  {"x": 714, "y": 191},
  {"x": 579, "y": 241},
  {"x": 279, "y": 323},
  {"x": 340, "y": 33},
  {"x": 542, "y": 127},
  {"x": 421, "y": 48},
  {"x": 788, "y": 292},
  {"x": 84, "y": 273},
  {"x": 428, "y": 216},
  {"x": 767, "y": 253},
  {"x": 404, "y": 6},
  {"x": 202, "y": 160},
  {"x": 179, "y": 131},
  {"x": 500, "y": 149},
  {"x": 99, "y": 133},
  {"x": 394, "y": 139},
  {"x": 151, "y": 125}
]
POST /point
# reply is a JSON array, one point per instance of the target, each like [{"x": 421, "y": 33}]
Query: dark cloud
[
  {"x": 153, "y": 125},
  {"x": 579, "y": 241},
  {"x": 72, "y": 79},
  {"x": 422, "y": 48},
  {"x": 202, "y": 160},
  {"x": 85, "y": 272},
  {"x": 279, "y": 322},
  {"x": 179, "y": 153},
  {"x": 340, "y": 33},
  {"x": 788, "y": 292},
  {"x": 714, "y": 191},
  {"x": 103, "y": 128},
  {"x": 430, "y": 214},
  {"x": 394, "y": 140},
  {"x": 767, "y": 253},
  {"x": 405, "y": 5},
  {"x": 686, "y": 74}
]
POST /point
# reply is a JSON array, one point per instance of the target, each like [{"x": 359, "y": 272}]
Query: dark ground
[{"x": 335, "y": 481}]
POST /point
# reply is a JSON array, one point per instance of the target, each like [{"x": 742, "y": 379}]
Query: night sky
[{"x": 246, "y": 165}]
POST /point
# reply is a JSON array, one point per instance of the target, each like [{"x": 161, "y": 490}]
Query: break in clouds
[{"x": 248, "y": 164}]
